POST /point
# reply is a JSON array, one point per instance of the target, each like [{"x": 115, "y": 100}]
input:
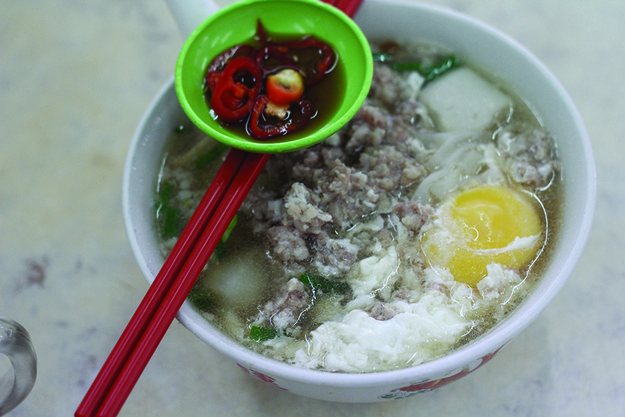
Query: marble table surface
[{"x": 76, "y": 77}]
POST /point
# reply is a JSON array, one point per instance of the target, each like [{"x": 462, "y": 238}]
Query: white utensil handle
[{"x": 188, "y": 14}]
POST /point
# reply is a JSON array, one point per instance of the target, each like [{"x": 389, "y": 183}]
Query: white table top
[{"x": 76, "y": 77}]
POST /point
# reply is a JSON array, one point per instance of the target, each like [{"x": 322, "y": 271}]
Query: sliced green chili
[{"x": 324, "y": 284}]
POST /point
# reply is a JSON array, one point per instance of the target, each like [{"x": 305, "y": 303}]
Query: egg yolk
[{"x": 480, "y": 226}]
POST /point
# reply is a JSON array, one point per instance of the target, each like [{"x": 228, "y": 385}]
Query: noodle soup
[{"x": 418, "y": 227}]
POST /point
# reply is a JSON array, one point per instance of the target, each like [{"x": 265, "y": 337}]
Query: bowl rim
[{"x": 485, "y": 344}]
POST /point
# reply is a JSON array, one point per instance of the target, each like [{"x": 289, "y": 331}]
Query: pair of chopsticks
[
  {"x": 167, "y": 293},
  {"x": 171, "y": 286}
]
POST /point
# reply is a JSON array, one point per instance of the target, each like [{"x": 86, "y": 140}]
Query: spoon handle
[{"x": 188, "y": 14}]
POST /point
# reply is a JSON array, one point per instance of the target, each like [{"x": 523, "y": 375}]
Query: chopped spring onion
[
  {"x": 200, "y": 300},
  {"x": 260, "y": 333},
  {"x": 324, "y": 284},
  {"x": 169, "y": 215},
  {"x": 171, "y": 219},
  {"x": 382, "y": 57},
  {"x": 210, "y": 156},
  {"x": 429, "y": 72},
  {"x": 229, "y": 229},
  {"x": 220, "y": 249}
]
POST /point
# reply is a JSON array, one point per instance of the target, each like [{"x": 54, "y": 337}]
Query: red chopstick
[
  {"x": 163, "y": 281},
  {"x": 161, "y": 303},
  {"x": 349, "y": 7},
  {"x": 179, "y": 290}
]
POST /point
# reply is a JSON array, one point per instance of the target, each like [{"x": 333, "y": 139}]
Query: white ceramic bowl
[{"x": 480, "y": 44}]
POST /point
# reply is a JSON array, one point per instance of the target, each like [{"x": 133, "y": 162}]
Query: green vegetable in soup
[
  {"x": 171, "y": 220},
  {"x": 201, "y": 300},
  {"x": 209, "y": 157},
  {"x": 220, "y": 249},
  {"x": 428, "y": 71},
  {"x": 230, "y": 228},
  {"x": 324, "y": 284},
  {"x": 168, "y": 215},
  {"x": 164, "y": 193},
  {"x": 382, "y": 57},
  {"x": 261, "y": 334}
]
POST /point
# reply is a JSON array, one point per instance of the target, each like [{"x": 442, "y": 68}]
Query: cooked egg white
[{"x": 481, "y": 226}]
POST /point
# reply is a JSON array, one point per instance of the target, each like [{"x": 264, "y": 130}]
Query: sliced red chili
[
  {"x": 261, "y": 34},
  {"x": 236, "y": 89},
  {"x": 259, "y": 130},
  {"x": 235, "y": 80},
  {"x": 212, "y": 77},
  {"x": 220, "y": 62},
  {"x": 285, "y": 86},
  {"x": 272, "y": 56},
  {"x": 281, "y": 51},
  {"x": 324, "y": 63}
]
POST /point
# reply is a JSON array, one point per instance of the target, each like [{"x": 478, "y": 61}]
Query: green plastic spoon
[{"x": 237, "y": 24}]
